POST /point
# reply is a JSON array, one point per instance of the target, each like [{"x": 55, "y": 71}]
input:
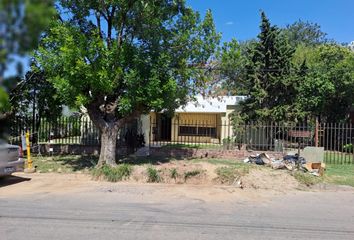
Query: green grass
[
  {"x": 338, "y": 157},
  {"x": 230, "y": 174},
  {"x": 335, "y": 174},
  {"x": 306, "y": 178},
  {"x": 153, "y": 175},
  {"x": 173, "y": 173},
  {"x": 65, "y": 164},
  {"x": 113, "y": 174},
  {"x": 340, "y": 174},
  {"x": 190, "y": 174}
]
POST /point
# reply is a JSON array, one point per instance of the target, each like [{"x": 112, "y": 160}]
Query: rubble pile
[{"x": 289, "y": 162}]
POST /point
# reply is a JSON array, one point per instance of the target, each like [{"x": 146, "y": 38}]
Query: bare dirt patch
[
  {"x": 194, "y": 178},
  {"x": 265, "y": 178},
  {"x": 178, "y": 172},
  {"x": 207, "y": 174},
  {"x": 44, "y": 183}
]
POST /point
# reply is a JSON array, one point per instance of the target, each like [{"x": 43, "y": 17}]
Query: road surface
[{"x": 94, "y": 210}]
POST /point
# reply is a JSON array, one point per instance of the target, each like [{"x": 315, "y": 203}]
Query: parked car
[{"x": 11, "y": 159}]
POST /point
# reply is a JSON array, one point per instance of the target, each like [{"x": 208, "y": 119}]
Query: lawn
[
  {"x": 338, "y": 157},
  {"x": 64, "y": 164},
  {"x": 340, "y": 174}
]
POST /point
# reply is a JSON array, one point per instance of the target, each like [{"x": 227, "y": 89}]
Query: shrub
[
  {"x": 153, "y": 175},
  {"x": 113, "y": 174},
  {"x": 190, "y": 174},
  {"x": 348, "y": 148},
  {"x": 229, "y": 175},
  {"x": 173, "y": 173}
]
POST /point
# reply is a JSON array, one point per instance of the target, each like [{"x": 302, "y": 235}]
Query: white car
[{"x": 11, "y": 159}]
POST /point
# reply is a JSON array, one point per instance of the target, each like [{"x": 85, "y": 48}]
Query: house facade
[{"x": 205, "y": 120}]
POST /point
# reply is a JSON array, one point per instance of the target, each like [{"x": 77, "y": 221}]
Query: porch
[{"x": 203, "y": 128}]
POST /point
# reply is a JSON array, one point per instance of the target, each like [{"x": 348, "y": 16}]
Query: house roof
[{"x": 210, "y": 104}]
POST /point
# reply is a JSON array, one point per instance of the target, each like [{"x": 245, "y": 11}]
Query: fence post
[
  {"x": 150, "y": 126},
  {"x": 29, "y": 168},
  {"x": 316, "y": 132}
]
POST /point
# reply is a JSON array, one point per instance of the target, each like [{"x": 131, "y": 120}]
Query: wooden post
[{"x": 316, "y": 132}]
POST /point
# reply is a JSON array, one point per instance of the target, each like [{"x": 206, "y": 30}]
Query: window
[
  {"x": 187, "y": 131},
  {"x": 197, "y": 131}
]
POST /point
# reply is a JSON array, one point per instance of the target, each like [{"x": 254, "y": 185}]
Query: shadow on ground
[
  {"x": 11, "y": 180},
  {"x": 154, "y": 160},
  {"x": 80, "y": 163},
  {"x": 73, "y": 163}
]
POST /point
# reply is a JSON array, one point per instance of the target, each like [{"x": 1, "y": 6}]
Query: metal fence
[
  {"x": 336, "y": 139},
  {"x": 65, "y": 130}
]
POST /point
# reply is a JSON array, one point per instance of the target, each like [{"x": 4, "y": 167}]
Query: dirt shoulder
[
  {"x": 55, "y": 184},
  {"x": 205, "y": 179}
]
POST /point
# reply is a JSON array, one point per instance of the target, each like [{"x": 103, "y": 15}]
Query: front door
[{"x": 165, "y": 127}]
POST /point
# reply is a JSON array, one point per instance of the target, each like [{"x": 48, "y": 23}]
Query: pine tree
[{"x": 272, "y": 89}]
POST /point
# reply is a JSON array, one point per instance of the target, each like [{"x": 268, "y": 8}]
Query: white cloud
[{"x": 229, "y": 23}]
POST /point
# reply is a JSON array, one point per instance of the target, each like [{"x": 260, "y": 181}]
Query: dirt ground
[
  {"x": 259, "y": 185},
  {"x": 21, "y": 184},
  {"x": 204, "y": 184},
  {"x": 257, "y": 178}
]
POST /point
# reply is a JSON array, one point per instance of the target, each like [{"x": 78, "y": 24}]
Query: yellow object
[{"x": 29, "y": 160}]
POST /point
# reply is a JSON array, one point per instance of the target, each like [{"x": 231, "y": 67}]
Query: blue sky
[{"x": 240, "y": 18}]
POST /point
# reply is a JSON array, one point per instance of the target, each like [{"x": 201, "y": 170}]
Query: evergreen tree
[{"x": 272, "y": 90}]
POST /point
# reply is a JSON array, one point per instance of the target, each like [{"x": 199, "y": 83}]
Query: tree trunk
[
  {"x": 108, "y": 146},
  {"x": 108, "y": 124}
]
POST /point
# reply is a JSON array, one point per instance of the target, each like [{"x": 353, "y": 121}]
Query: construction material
[{"x": 290, "y": 162}]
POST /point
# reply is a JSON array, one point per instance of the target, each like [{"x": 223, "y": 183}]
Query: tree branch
[
  {"x": 103, "y": 6},
  {"x": 96, "y": 115},
  {"x": 98, "y": 19}
]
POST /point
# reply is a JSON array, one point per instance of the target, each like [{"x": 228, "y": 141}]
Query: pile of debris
[{"x": 290, "y": 162}]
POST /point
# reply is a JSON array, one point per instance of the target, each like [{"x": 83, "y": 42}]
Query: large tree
[
  {"x": 327, "y": 85},
  {"x": 269, "y": 71},
  {"x": 305, "y": 33},
  {"x": 124, "y": 58},
  {"x": 231, "y": 60}
]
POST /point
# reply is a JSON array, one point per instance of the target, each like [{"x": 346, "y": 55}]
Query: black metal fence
[
  {"x": 67, "y": 130},
  {"x": 336, "y": 139}
]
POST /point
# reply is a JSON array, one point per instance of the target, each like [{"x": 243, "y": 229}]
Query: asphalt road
[{"x": 156, "y": 212}]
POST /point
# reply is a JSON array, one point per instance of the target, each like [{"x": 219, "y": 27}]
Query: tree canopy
[
  {"x": 326, "y": 89},
  {"x": 290, "y": 74},
  {"x": 304, "y": 32},
  {"x": 121, "y": 58}
]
